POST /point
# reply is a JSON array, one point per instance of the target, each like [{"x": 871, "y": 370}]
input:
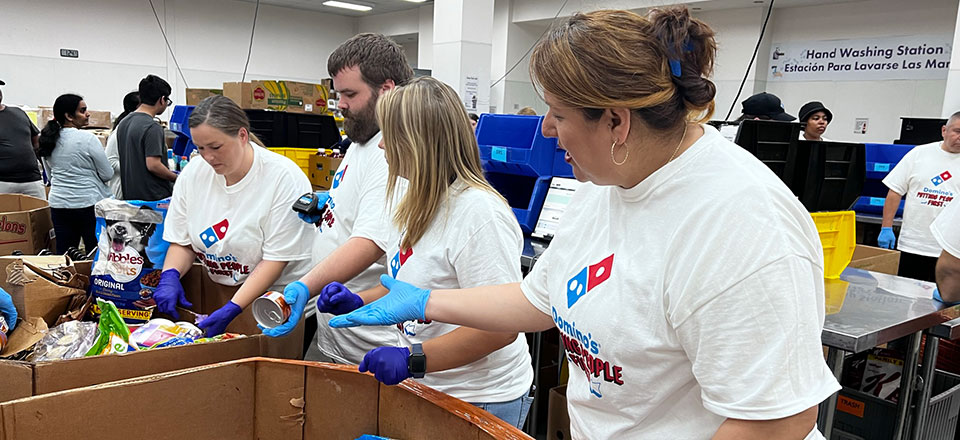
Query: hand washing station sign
[{"x": 907, "y": 57}]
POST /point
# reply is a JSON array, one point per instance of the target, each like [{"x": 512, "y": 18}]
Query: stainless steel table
[
  {"x": 948, "y": 330},
  {"x": 867, "y": 309},
  {"x": 532, "y": 249},
  {"x": 877, "y": 219}
]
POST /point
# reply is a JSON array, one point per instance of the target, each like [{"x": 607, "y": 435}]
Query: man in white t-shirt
[
  {"x": 354, "y": 230},
  {"x": 946, "y": 230},
  {"x": 925, "y": 176}
]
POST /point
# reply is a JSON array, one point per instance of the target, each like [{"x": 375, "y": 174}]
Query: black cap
[
  {"x": 812, "y": 107},
  {"x": 766, "y": 104},
  {"x": 2, "y": 83}
]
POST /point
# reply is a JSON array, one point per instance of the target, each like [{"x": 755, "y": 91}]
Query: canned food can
[
  {"x": 3, "y": 332},
  {"x": 270, "y": 310}
]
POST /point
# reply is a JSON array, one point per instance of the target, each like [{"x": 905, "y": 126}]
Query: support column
[
  {"x": 462, "y": 49},
  {"x": 951, "y": 96}
]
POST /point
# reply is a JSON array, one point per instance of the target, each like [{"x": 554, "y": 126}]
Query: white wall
[
  {"x": 736, "y": 34},
  {"x": 392, "y": 23},
  {"x": 119, "y": 43}
]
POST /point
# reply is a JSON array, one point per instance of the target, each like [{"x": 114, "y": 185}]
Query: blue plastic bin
[
  {"x": 880, "y": 159},
  {"x": 179, "y": 124}
]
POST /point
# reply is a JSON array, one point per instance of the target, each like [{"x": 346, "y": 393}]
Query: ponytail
[
  {"x": 64, "y": 105},
  {"x": 48, "y": 137}
]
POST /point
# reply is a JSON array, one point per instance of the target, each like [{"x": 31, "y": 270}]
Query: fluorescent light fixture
[
  {"x": 345, "y": 5},
  {"x": 416, "y": 1}
]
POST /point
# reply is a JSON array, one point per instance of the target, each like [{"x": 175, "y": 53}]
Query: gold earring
[{"x": 614, "y": 159}]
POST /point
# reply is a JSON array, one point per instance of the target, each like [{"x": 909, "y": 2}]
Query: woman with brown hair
[{"x": 685, "y": 278}]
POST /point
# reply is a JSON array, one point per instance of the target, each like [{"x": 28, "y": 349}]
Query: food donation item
[
  {"x": 161, "y": 332},
  {"x": 270, "y": 310},
  {"x": 114, "y": 334},
  {"x": 69, "y": 340}
]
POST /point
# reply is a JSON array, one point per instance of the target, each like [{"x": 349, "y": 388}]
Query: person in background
[
  {"x": 233, "y": 206},
  {"x": 19, "y": 173},
  {"x": 528, "y": 111},
  {"x": 946, "y": 230},
  {"x": 474, "y": 119},
  {"x": 143, "y": 152},
  {"x": 764, "y": 106},
  {"x": 8, "y": 310},
  {"x": 451, "y": 230},
  {"x": 355, "y": 230},
  {"x": 666, "y": 349},
  {"x": 130, "y": 103},
  {"x": 816, "y": 117},
  {"x": 78, "y": 169},
  {"x": 925, "y": 176}
]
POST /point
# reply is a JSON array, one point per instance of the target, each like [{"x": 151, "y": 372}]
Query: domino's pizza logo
[
  {"x": 214, "y": 233},
  {"x": 942, "y": 177},
  {"x": 398, "y": 260},
  {"x": 339, "y": 177},
  {"x": 587, "y": 279}
]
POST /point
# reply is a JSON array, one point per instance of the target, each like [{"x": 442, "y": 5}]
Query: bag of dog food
[{"x": 130, "y": 253}]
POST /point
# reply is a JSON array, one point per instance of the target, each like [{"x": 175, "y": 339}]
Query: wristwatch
[{"x": 417, "y": 362}]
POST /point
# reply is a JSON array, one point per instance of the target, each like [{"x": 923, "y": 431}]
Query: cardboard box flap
[
  {"x": 34, "y": 284},
  {"x": 25, "y": 335}
]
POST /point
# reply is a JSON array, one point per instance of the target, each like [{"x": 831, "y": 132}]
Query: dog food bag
[{"x": 130, "y": 253}]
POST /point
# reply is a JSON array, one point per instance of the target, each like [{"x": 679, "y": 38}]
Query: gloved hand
[
  {"x": 322, "y": 198},
  {"x": 886, "y": 239},
  {"x": 7, "y": 309},
  {"x": 169, "y": 293},
  {"x": 936, "y": 296},
  {"x": 218, "y": 321},
  {"x": 337, "y": 299},
  {"x": 403, "y": 303},
  {"x": 388, "y": 364},
  {"x": 296, "y": 295}
]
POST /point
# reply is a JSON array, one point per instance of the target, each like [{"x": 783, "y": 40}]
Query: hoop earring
[{"x": 614, "y": 159}]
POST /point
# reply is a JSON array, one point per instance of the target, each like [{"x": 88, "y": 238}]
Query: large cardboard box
[
  {"x": 252, "y": 398},
  {"x": 194, "y": 96},
  {"x": 25, "y": 225},
  {"x": 558, "y": 421},
  {"x": 875, "y": 259},
  {"x": 41, "y": 287},
  {"x": 98, "y": 119},
  {"x": 322, "y": 170},
  {"x": 286, "y": 96}
]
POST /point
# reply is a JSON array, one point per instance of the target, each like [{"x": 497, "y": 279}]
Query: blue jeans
[{"x": 513, "y": 412}]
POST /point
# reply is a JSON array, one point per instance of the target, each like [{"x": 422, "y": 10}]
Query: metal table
[
  {"x": 948, "y": 330},
  {"x": 877, "y": 219},
  {"x": 866, "y": 309},
  {"x": 532, "y": 249}
]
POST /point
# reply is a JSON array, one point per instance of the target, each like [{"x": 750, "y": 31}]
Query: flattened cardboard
[
  {"x": 875, "y": 259},
  {"x": 25, "y": 224}
]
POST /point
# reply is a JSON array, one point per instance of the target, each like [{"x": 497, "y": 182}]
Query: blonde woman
[{"x": 452, "y": 231}]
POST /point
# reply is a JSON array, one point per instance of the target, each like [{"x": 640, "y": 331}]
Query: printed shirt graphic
[
  {"x": 474, "y": 240},
  {"x": 356, "y": 209},
  {"x": 660, "y": 292},
  {"x": 926, "y": 177},
  {"x": 232, "y": 228}
]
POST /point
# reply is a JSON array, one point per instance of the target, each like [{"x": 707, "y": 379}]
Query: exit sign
[{"x": 69, "y": 53}]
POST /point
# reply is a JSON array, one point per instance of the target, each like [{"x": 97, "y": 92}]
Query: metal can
[
  {"x": 270, "y": 310},
  {"x": 3, "y": 332}
]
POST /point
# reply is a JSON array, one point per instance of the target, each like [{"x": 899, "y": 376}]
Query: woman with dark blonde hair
[
  {"x": 452, "y": 231},
  {"x": 685, "y": 278}
]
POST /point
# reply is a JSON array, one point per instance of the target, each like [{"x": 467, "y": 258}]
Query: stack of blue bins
[
  {"x": 519, "y": 162},
  {"x": 179, "y": 124},
  {"x": 880, "y": 160}
]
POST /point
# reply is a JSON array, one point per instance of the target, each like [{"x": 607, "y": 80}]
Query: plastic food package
[
  {"x": 114, "y": 335},
  {"x": 66, "y": 341},
  {"x": 160, "y": 332}
]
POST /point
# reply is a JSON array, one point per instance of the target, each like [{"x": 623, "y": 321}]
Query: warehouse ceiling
[{"x": 379, "y": 6}]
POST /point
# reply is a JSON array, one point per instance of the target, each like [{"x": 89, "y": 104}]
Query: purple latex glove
[
  {"x": 218, "y": 321},
  {"x": 169, "y": 293},
  {"x": 388, "y": 364},
  {"x": 337, "y": 299}
]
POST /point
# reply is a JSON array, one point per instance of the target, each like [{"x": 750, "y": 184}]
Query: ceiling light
[
  {"x": 345, "y": 5},
  {"x": 416, "y": 1}
]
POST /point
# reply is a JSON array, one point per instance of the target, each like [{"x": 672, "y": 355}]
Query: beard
[{"x": 361, "y": 125}]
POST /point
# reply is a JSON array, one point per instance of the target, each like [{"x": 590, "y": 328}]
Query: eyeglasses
[{"x": 167, "y": 100}]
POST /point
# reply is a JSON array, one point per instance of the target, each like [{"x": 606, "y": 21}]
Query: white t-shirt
[
  {"x": 822, "y": 139},
  {"x": 946, "y": 229},
  {"x": 925, "y": 177},
  {"x": 695, "y": 296},
  {"x": 113, "y": 156},
  {"x": 474, "y": 240},
  {"x": 233, "y": 228},
  {"x": 357, "y": 209}
]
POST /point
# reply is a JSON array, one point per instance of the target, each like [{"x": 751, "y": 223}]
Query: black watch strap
[{"x": 417, "y": 362}]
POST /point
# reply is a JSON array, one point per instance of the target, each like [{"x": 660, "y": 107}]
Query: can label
[
  {"x": 270, "y": 310},
  {"x": 3, "y": 332}
]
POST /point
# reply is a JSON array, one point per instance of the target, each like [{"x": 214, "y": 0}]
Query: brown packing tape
[{"x": 24, "y": 336}]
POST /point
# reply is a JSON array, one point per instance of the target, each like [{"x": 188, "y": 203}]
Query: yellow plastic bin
[
  {"x": 838, "y": 235},
  {"x": 301, "y": 156}
]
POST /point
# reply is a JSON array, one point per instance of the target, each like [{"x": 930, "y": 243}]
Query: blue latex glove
[
  {"x": 218, "y": 321},
  {"x": 403, "y": 303},
  {"x": 7, "y": 309},
  {"x": 337, "y": 299},
  {"x": 169, "y": 293},
  {"x": 936, "y": 296},
  {"x": 886, "y": 239},
  {"x": 388, "y": 364},
  {"x": 296, "y": 295},
  {"x": 322, "y": 198}
]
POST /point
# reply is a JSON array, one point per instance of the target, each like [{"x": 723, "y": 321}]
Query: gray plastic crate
[{"x": 879, "y": 416}]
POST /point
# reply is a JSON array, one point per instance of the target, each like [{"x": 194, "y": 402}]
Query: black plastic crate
[
  {"x": 775, "y": 144},
  {"x": 293, "y": 130},
  {"x": 834, "y": 175}
]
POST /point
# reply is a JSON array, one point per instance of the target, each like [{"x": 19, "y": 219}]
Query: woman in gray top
[{"x": 78, "y": 170}]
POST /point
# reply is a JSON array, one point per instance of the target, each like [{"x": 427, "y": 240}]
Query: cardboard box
[
  {"x": 98, "y": 119},
  {"x": 252, "y": 398},
  {"x": 286, "y": 96},
  {"x": 875, "y": 259},
  {"x": 41, "y": 287},
  {"x": 25, "y": 225},
  {"x": 194, "y": 96},
  {"x": 558, "y": 421},
  {"x": 322, "y": 170}
]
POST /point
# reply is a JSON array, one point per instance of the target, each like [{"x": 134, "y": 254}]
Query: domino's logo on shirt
[
  {"x": 588, "y": 278},
  {"x": 940, "y": 178},
  {"x": 337, "y": 178},
  {"x": 214, "y": 233},
  {"x": 398, "y": 260}
]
